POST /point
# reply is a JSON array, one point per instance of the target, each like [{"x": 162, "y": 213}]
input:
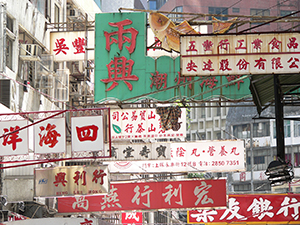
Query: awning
[{"x": 262, "y": 88}]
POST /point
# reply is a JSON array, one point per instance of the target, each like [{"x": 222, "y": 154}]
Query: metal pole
[
  {"x": 252, "y": 157},
  {"x": 279, "y": 119}
]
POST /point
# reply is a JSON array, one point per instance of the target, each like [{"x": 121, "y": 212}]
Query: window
[
  {"x": 285, "y": 12},
  {"x": 241, "y": 131},
  {"x": 248, "y": 160},
  {"x": 242, "y": 187},
  {"x": 296, "y": 128},
  {"x": 152, "y": 5},
  {"x": 202, "y": 110},
  {"x": 48, "y": 10},
  {"x": 236, "y": 10},
  {"x": 218, "y": 111},
  {"x": 287, "y": 128},
  {"x": 259, "y": 159},
  {"x": 9, "y": 53},
  {"x": 261, "y": 129},
  {"x": 10, "y": 24},
  {"x": 56, "y": 15},
  {"x": 297, "y": 159},
  {"x": 176, "y": 17},
  {"x": 259, "y": 12},
  {"x": 218, "y": 11},
  {"x": 10, "y": 38},
  {"x": 288, "y": 157},
  {"x": 5, "y": 92},
  {"x": 262, "y": 187}
]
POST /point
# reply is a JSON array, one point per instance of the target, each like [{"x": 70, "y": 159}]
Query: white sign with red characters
[
  {"x": 71, "y": 180},
  {"x": 15, "y": 141},
  {"x": 50, "y": 136},
  {"x": 143, "y": 124},
  {"x": 71, "y": 46},
  {"x": 87, "y": 133},
  {"x": 272, "y": 53},
  {"x": 207, "y": 156},
  {"x": 129, "y": 218}
]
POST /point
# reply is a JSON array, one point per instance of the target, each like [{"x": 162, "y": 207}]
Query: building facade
[
  {"x": 31, "y": 80},
  {"x": 260, "y": 10}
]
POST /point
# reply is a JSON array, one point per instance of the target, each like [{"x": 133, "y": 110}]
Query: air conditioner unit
[{"x": 30, "y": 52}]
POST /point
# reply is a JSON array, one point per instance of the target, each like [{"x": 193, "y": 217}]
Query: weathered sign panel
[
  {"x": 124, "y": 72},
  {"x": 240, "y": 54},
  {"x": 71, "y": 180},
  {"x": 146, "y": 124}
]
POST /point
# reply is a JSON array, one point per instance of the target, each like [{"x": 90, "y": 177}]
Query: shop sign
[
  {"x": 49, "y": 135},
  {"x": 51, "y": 221},
  {"x": 199, "y": 156},
  {"x": 132, "y": 218},
  {"x": 147, "y": 124},
  {"x": 140, "y": 151},
  {"x": 240, "y": 54},
  {"x": 150, "y": 195},
  {"x": 124, "y": 72},
  {"x": 250, "y": 209},
  {"x": 71, "y": 180},
  {"x": 71, "y": 46}
]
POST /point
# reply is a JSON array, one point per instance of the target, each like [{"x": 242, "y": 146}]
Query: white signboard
[
  {"x": 87, "y": 133},
  {"x": 272, "y": 53},
  {"x": 51, "y": 221},
  {"x": 50, "y": 136},
  {"x": 200, "y": 156},
  {"x": 71, "y": 180},
  {"x": 15, "y": 143},
  {"x": 71, "y": 45},
  {"x": 142, "y": 124},
  {"x": 141, "y": 151}
]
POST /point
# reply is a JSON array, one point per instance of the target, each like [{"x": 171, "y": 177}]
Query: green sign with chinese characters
[{"x": 124, "y": 72}]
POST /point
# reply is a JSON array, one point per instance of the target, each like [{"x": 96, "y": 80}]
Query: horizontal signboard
[
  {"x": 272, "y": 53},
  {"x": 256, "y": 208},
  {"x": 150, "y": 195},
  {"x": 206, "y": 156},
  {"x": 71, "y": 46},
  {"x": 148, "y": 123},
  {"x": 140, "y": 151},
  {"x": 51, "y": 221},
  {"x": 71, "y": 180}
]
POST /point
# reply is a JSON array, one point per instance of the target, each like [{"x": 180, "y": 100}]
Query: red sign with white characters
[
  {"x": 264, "y": 208},
  {"x": 150, "y": 195},
  {"x": 132, "y": 218}
]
